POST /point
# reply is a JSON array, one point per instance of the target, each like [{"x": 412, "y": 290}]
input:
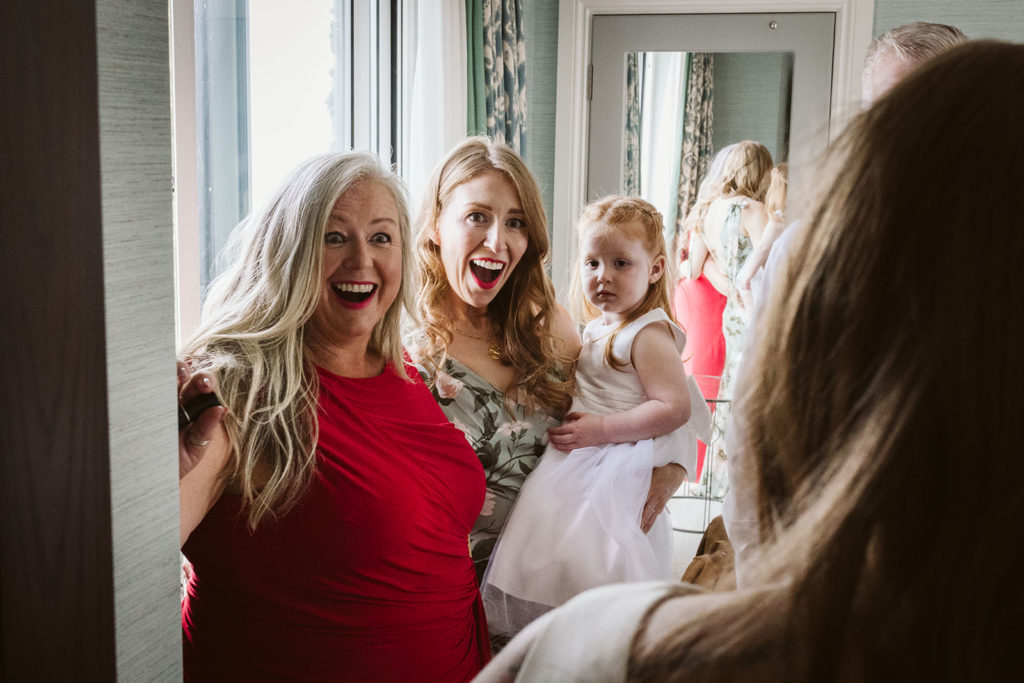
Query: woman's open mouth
[
  {"x": 486, "y": 271},
  {"x": 354, "y": 294}
]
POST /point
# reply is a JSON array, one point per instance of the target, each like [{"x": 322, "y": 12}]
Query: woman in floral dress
[
  {"x": 494, "y": 345},
  {"x": 726, "y": 224}
]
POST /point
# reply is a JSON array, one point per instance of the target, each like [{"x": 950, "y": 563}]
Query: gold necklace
[{"x": 493, "y": 349}]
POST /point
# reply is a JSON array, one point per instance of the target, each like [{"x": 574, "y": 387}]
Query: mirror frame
[{"x": 854, "y": 25}]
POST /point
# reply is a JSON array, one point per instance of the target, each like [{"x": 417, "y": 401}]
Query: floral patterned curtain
[
  {"x": 697, "y": 126},
  {"x": 476, "y": 113},
  {"x": 499, "y": 92},
  {"x": 634, "y": 96}
]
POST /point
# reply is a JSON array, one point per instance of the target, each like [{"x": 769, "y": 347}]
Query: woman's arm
[
  {"x": 716, "y": 277},
  {"x": 759, "y": 256},
  {"x": 698, "y": 255},
  {"x": 753, "y": 220},
  {"x": 708, "y": 267},
  {"x": 667, "y": 406},
  {"x": 563, "y": 328},
  {"x": 203, "y": 453}
]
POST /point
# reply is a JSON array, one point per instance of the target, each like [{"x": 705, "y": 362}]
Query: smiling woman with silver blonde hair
[
  {"x": 317, "y": 551},
  {"x": 254, "y": 331}
]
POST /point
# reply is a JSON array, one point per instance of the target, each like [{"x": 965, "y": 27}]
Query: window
[{"x": 271, "y": 84}]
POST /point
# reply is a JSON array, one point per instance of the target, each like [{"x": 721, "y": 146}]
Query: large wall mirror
[
  {"x": 785, "y": 73},
  {"x": 644, "y": 87},
  {"x": 682, "y": 106}
]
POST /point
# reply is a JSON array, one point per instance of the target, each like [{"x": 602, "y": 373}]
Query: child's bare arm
[{"x": 667, "y": 406}]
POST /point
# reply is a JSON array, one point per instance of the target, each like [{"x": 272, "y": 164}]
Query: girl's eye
[
  {"x": 333, "y": 239},
  {"x": 621, "y": 263},
  {"x": 590, "y": 263},
  {"x": 476, "y": 217},
  {"x": 381, "y": 238},
  {"x": 515, "y": 223}
]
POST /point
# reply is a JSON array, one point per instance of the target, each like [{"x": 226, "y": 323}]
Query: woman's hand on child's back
[{"x": 579, "y": 430}]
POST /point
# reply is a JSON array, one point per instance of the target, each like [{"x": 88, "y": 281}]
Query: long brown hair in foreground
[
  {"x": 889, "y": 405},
  {"x": 524, "y": 308}
]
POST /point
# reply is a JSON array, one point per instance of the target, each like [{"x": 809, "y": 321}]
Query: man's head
[{"x": 895, "y": 53}]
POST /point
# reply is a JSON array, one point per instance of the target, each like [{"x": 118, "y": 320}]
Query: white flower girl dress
[{"x": 576, "y": 522}]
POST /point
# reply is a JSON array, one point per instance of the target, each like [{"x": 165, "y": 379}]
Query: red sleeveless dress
[
  {"x": 698, "y": 307},
  {"x": 369, "y": 578}
]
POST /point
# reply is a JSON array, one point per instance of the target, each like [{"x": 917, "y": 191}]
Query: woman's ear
[
  {"x": 657, "y": 269},
  {"x": 435, "y": 235}
]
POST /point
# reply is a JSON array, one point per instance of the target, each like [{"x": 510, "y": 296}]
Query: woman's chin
[{"x": 478, "y": 296}]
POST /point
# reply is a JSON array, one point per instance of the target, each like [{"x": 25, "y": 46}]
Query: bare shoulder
[
  {"x": 656, "y": 336},
  {"x": 564, "y": 328},
  {"x": 657, "y": 362},
  {"x": 755, "y": 210}
]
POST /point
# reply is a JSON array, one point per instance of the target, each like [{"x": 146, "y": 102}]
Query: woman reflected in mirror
[{"x": 725, "y": 226}]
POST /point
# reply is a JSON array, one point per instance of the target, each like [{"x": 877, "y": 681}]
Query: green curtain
[
  {"x": 634, "y": 94},
  {"x": 476, "y": 114},
  {"x": 697, "y": 146},
  {"x": 497, "y": 91}
]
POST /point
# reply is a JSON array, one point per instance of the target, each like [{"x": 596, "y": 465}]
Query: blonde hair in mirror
[
  {"x": 638, "y": 220},
  {"x": 741, "y": 169},
  {"x": 252, "y": 336},
  {"x": 523, "y": 310},
  {"x": 892, "y": 365}
]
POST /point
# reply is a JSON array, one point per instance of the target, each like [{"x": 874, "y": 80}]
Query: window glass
[{"x": 277, "y": 82}]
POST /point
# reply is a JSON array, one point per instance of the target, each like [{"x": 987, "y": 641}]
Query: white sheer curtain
[
  {"x": 661, "y": 122},
  {"x": 436, "y": 116}
]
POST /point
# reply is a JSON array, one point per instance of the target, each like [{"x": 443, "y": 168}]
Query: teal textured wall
[
  {"x": 1002, "y": 19},
  {"x": 541, "y": 28}
]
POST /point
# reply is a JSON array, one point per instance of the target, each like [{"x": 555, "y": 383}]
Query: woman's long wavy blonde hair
[
  {"x": 638, "y": 220},
  {"x": 886, "y": 406},
  {"x": 523, "y": 310},
  {"x": 742, "y": 169},
  {"x": 253, "y": 332}
]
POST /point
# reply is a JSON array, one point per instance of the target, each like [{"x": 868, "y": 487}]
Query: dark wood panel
[{"x": 56, "y": 585}]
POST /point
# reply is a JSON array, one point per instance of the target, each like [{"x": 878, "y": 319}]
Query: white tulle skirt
[{"x": 575, "y": 526}]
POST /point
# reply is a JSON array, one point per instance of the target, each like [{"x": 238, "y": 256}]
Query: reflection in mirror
[
  {"x": 680, "y": 110},
  {"x": 682, "y": 107}
]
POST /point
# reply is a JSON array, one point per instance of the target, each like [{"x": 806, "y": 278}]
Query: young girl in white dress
[{"x": 576, "y": 523}]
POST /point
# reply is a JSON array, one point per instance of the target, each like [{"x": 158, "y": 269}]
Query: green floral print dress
[{"x": 508, "y": 439}]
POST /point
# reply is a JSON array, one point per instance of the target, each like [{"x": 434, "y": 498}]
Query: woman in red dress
[
  {"x": 327, "y": 516},
  {"x": 698, "y": 308}
]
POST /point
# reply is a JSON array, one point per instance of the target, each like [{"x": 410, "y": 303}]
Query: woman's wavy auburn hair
[
  {"x": 885, "y": 405},
  {"x": 523, "y": 310},
  {"x": 253, "y": 334},
  {"x": 638, "y": 220}
]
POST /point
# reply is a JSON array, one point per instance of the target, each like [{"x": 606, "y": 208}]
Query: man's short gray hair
[{"x": 912, "y": 43}]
